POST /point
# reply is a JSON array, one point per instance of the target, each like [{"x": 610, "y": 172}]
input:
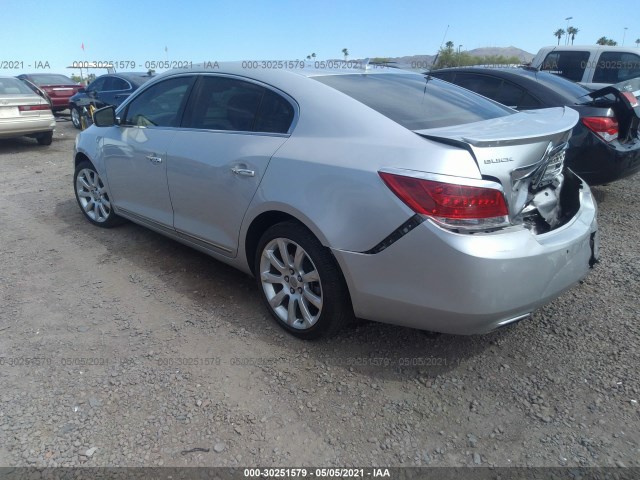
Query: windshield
[
  {"x": 13, "y": 86},
  {"x": 52, "y": 80},
  {"x": 414, "y": 101}
]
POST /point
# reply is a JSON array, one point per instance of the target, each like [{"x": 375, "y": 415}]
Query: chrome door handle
[
  {"x": 154, "y": 159},
  {"x": 243, "y": 171}
]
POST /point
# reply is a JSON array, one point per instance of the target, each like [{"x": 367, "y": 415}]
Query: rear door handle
[
  {"x": 243, "y": 171},
  {"x": 154, "y": 159}
]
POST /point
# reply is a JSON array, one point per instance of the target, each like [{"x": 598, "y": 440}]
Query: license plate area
[{"x": 9, "y": 112}]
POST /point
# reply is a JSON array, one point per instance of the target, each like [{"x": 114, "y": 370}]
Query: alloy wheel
[
  {"x": 92, "y": 195},
  {"x": 291, "y": 283}
]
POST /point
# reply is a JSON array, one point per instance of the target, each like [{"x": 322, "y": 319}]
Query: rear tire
[
  {"x": 301, "y": 283},
  {"x": 45, "y": 138}
]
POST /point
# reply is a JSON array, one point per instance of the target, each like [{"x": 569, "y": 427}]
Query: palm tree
[
  {"x": 606, "y": 41},
  {"x": 449, "y": 45},
  {"x": 638, "y": 42},
  {"x": 345, "y": 52},
  {"x": 559, "y": 33},
  {"x": 573, "y": 32}
]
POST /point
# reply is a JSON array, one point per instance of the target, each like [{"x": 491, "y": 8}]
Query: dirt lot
[{"x": 122, "y": 348}]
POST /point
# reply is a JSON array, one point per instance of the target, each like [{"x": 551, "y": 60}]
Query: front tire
[
  {"x": 75, "y": 117},
  {"x": 92, "y": 196},
  {"x": 301, "y": 283}
]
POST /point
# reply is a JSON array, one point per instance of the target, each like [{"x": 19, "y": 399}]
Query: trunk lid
[
  {"x": 622, "y": 99},
  {"x": 9, "y": 106},
  {"x": 524, "y": 152}
]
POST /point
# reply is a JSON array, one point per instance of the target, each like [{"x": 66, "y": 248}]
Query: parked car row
[{"x": 393, "y": 196}]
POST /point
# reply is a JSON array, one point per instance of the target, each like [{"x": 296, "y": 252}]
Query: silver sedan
[
  {"x": 368, "y": 193},
  {"x": 23, "y": 113}
]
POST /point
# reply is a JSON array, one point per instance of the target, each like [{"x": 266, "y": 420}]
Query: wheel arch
[
  {"x": 264, "y": 220},
  {"x": 79, "y": 158}
]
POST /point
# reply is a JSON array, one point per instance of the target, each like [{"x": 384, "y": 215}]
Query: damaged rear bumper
[{"x": 443, "y": 281}]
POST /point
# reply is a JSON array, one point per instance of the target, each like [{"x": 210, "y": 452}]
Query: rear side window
[
  {"x": 224, "y": 103},
  {"x": 570, "y": 65},
  {"x": 509, "y": 94},
  {"x": 414, "y": 101},
  {"x": 275, "y": 114},
  {"x": 159, "y": 105},
  {"x": 481, "y": 84},
  {"x": 497, "y": 89},
  {"x": 529, "y": 102},
  {"x": 615, "y": 67}
]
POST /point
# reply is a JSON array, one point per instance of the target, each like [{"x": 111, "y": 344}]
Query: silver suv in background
[{"x": 593, "y": 66}]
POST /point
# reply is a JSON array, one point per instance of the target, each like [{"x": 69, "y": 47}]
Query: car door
[
  {"x": 135, "y": 151},
  {"x": 92, "y": 92},
  {"x": 230, "y": 131}
]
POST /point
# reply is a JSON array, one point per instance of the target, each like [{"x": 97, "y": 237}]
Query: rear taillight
[
  {"x": 454, "y": 205},
  {"x": 605, "y": 127},
  {"x": 30, "y": 108}
]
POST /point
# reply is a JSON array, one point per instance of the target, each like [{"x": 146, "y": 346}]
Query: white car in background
[
  {"x": 23, "y": 113},
  {"x": 593, "y": 66}
]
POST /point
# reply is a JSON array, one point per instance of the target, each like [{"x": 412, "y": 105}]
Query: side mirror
[
  {"x": 105, "y": 117},
  {"x": 82, "y": 90}
]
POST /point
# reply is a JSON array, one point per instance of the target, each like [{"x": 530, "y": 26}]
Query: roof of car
[
  {"x": 561, "y": 86},
  {"x": 259, "y": 68},
  {"x": 131, "y": 74}
]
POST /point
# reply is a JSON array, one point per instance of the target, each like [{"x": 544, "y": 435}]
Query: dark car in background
[
  {"x": 111, "y": 89},
  {"x": 59, "y": 88},
  {"x": 604, "y": 145}
]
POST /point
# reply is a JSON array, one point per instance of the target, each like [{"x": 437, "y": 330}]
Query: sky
[{"x": 37, "y": 34}]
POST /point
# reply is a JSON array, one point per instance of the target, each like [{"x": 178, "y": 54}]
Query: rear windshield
[
  {"x": 13, "y": 86},
  {"x": 52, "y": 80},
  {"x": 414, "y": 101},
  {"x": 561, "y": 85}
]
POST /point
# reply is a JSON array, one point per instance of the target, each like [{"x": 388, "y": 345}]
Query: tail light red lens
[
  {"x": 30, "y": 108},
  {"x": 448, "y": 201},
  {"x": 605, "y": 127}
]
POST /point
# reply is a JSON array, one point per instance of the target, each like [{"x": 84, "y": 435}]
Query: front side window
[
  {"x": 616, "y": 67},
  {"x": 160, "y": 105},
  {"x": 97, "y": 85},
  {"x": 414, "y": 101},
  {"x": 570, "y": 65},
  {"x": 224, "y": 103}
]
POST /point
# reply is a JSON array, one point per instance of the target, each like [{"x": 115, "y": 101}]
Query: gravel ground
[{"x": 122, "y": 348}]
